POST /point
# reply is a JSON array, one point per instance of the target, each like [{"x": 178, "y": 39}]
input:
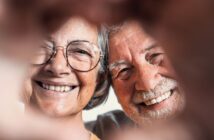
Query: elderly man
[{"x": 142, "y": 79}]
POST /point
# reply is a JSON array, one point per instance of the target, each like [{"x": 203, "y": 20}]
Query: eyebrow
[
  {"x": 115, "y": 64},
  {"x": 154, "y": 45},
  {"x": 77, "y": 40},
  {"x": 49, "y": 38}
]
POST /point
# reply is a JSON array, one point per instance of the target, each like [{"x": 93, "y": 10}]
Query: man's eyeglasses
[{"x": 81, "y": 55}]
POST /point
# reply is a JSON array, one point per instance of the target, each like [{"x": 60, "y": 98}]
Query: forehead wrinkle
[
  {"x": 134, "y": 42},
  {"x": 119, "y": 54},
  {"x": 132, "y": 53},
  {"x": 138, "y": 40},
  {"x": 125, "y": 46}
]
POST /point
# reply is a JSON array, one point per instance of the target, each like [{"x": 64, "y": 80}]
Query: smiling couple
[{"x": 74, "y": 67}]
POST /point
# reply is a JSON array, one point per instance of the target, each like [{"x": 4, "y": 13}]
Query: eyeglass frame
[{"x": 65, "y": 53}]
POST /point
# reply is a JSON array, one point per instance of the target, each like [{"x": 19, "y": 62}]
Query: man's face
[{"x": 142, "y": 77}]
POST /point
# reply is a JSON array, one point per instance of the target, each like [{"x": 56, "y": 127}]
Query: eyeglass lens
[{"x": 82, "y": 56}]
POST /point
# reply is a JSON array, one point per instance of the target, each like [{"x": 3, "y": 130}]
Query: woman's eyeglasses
[{"x": 81, "y": 55}]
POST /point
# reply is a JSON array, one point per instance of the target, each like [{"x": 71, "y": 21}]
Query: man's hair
[
  {"x": 102, "y": 88},
  {"x": 114, "y": 29}
]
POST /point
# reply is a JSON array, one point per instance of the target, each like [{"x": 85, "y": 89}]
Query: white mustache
[{"x": 162, "y": 87}]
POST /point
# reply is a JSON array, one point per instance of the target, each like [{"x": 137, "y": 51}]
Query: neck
[
  {"x": 73, "y": 126},
  {"x": 75, "y": 120}
]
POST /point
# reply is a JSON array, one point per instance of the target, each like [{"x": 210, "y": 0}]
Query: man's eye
[
  {"x": 124, "y": 74},
  {"x": 156, "y": 59}
]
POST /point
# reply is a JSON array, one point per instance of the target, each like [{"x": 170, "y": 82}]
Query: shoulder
[
  {"x": 94, "y": 137},
  {"x": 108, "y": 122}
]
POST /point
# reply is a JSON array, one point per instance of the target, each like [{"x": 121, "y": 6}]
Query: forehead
[
  {"x": 129, "y": 40},
  {"x": 75, "y": 28}
]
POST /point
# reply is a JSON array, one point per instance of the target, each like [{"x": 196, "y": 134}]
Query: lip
[
  {"x": 55, "y": 94},
  {"x": 56, "y": 83},
  {"x": 171, "y": 91},
  {"x": 144, "y": 97},
  {"x": 166, "y": 104},
  {"x": 159, "y": 105}
]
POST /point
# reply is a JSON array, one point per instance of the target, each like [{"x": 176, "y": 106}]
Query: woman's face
[{"x": 57, "y": 89}]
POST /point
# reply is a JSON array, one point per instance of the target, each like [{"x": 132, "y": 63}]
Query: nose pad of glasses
[{"x": 60, "y": 48}]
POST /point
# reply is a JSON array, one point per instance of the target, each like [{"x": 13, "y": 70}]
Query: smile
[
  {"x": 156, "y": 100},
  {"x": 159, "y": 99},
  {"x": 56, "y": 88}
]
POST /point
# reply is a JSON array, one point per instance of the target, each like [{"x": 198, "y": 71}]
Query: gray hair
[{"x": 102, "y": 88}]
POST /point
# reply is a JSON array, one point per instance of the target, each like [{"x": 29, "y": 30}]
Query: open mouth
[
  {"x": 158, "y": 99},
  {"x": 56, "y": 88}
]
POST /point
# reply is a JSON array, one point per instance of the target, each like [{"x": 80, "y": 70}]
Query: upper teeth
[
  {"x": 57, "y": 88},
  {"x": 158, "y": 99}
]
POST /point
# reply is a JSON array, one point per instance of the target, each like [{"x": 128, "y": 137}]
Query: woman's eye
[
  {"x": 81, "y": 52},
  {"x": 156, "y": 59},
  {"x": 124, "y": 74}
]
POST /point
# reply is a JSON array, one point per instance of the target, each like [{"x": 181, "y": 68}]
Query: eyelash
[
  {"x": 83, "y": 52},
  {"x": 121, "y": 72},
  {"x": 153, "y": 56}
]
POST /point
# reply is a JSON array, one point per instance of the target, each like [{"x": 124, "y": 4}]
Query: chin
[
  {"x": 151, "y": 116},
  {"x": 51, "y": 109},
  {"x": 55, "y": 113}
]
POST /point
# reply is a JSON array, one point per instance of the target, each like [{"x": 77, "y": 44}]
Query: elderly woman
[{"x": 69, "y": 74}]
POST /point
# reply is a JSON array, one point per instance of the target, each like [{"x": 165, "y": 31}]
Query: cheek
[
  {"x": 88, "y": 83},
  {"x": 88, "y": 79},
  {"x": 27, "y": 91},
  {"x": 33, "y": 71},
  {"x": 28, "y": 85},
  {"x": 167, "y": 72},
  {"x": 123, "y": 90}
]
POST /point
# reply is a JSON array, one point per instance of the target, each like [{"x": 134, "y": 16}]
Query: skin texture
[
  {"x": 138, "y": 66},
  {"x": 58, "y": 72}
]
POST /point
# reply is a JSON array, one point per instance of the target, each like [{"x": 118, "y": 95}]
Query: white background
[{"x": 110, "y": 104}]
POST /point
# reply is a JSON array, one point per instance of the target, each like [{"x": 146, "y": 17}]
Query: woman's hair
[{"x": 102, "y": 88}]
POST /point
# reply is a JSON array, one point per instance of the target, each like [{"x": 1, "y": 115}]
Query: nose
[
  {"x": 58, "y": 65},
  {"x": 147, "y": 77}
]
